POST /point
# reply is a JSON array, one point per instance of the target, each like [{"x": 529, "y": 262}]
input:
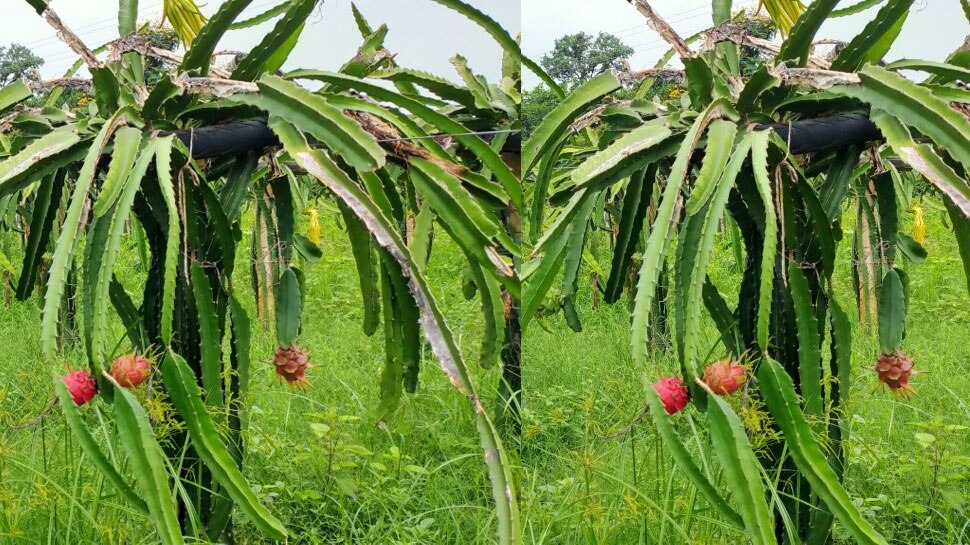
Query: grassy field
[{"x": 332, "y": 476}]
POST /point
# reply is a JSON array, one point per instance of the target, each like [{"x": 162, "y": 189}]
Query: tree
[
  {"x": 578, "y": 57},
  {"x": 16, "y": 62},
  {"x": 575, "y": 59}
]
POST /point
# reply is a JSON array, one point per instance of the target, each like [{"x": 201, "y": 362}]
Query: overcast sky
[
  {"x": 424, "y": 34},
  {"x": 933, "y": 30}
]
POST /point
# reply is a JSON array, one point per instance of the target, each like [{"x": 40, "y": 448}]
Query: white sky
[
  {"x": 933, "y": 30},
  {"x": 424, "y": 34}
]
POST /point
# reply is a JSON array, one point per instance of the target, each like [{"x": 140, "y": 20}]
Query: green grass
[{"x": 317, "y": 459}]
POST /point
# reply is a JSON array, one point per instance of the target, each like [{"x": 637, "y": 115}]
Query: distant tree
[
  {"x": 758, "y": 26},
  {"x": 17, "y": 61},
  {"x": 162, "y": 37},
  {"x": 578, "y": 57},
  {"x": 536, "y": 103}
]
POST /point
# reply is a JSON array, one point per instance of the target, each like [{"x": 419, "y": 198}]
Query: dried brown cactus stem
[
  {"x": 72, "y": 40},
  {"x": 403, "y": 147},
  {"x": 662, "y": 27}
]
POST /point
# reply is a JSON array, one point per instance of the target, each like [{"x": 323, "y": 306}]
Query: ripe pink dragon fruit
[
  {"x": 131, "y": 370},
  {"x": 673, "y": 393},
  {"x": 724, "y": 377},
  {"x": 894, "y": 370},
  {"x": 81, "y": 386},
  {"x": 291, "y": 364}
]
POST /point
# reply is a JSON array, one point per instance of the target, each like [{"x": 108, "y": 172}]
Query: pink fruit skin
[
  {"x": 291, "y": 364},
  {"x": 131, "y": 370},
  {"x": 81, "y": 386},
  {"x": 724, "y": 377},
  {"x": 673, "y": 393},
  {"x": 894, "y": 370}
]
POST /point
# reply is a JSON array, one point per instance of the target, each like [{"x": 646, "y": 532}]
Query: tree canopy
[
  {"x": 16, "y": 62},
  {"x": 578, "y": 57}
]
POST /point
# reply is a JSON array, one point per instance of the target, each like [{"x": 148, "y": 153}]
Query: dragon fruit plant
[
  {"x": 760, "y": 160},
  {"x": 367, "y": 137}
]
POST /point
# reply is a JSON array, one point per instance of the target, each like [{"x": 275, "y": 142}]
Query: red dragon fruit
[
  {"x": 724, "y": 377},
  {"x": 894, "y": 370},
  {"x": 673, "y": 393},
  {"x": 131, "y": 370},
  {"x": 291, "y": 364},
  {"x": 81, "y": 386}
]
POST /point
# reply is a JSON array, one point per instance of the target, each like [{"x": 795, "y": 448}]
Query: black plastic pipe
[
  {"x": 233, "y": 138},
  {"x": 826, "y": 133},
  {"x": 804, "y": 136}
]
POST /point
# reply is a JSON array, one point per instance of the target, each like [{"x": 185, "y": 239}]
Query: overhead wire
[
  {"x": 86, "y": 29},
  {"x": 703, "y": 9}
]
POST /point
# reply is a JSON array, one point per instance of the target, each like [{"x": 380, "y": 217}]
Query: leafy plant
[
  {"x": 726, "y": 161},
  {"x": 133, "y": 165}
]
